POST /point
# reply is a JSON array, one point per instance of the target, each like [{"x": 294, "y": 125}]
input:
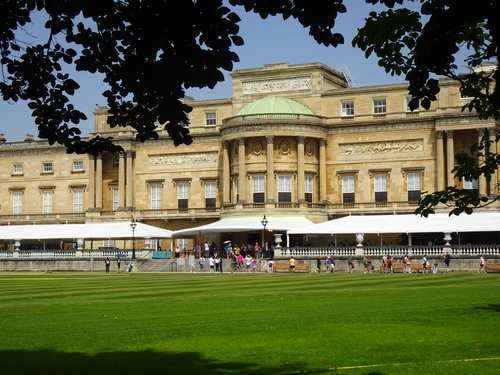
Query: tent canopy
[
  {"x": 245, "y": 224},
  {"x": 114, "y": 230},
  {"x": 435, "y": 223}
]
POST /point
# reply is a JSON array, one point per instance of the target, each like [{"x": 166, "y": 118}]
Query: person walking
[
  {"x": 425, "y": 264},
  {"x": 481, "y": 264},
  {"x": 254, "y": 265},
  {"x": 447, "y": 260},
  {"x": 291, "y": 263},
  {"x": 350, "y": 264},
  {"x": 201, "y": 262},
  {"x": 118, "y": 263},
  {"x": 318, "y": 264}
]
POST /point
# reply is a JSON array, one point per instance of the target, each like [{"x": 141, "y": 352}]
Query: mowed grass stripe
[{"x": 254, "y": 324}]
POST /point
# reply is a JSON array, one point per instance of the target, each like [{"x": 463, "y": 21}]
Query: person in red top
[{"x": 388, "y": 264}]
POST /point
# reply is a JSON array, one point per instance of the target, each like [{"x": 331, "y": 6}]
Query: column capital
[
  {"x": 481, "y": 132},
  {"x": 322, "y": 142},
  {"x": 226, "y": 144},
  {"x": 449, "y": 133},
  {"x": 300, "y": 139},
  {"x": 241, "y": 141},
  {"x": 270, "y": 138},
  {"x": 130, "y": 154},
  {"x": 439, "y": 134}
]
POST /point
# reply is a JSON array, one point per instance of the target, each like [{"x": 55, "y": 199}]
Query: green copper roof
[{"x": 275, "y": 104}]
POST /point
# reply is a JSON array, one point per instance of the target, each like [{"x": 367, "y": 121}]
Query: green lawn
[{"x": 133, "y": 323}]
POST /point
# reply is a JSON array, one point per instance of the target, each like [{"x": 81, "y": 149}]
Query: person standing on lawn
[
  {"x": 318, "y": 264},
  {"x": 201, "y": 261},
  {"x": 291, "y": 263},
  {"x": 447, "y": 259},
  {"x": 350, "y": 264},
  {"x": 118, "y": 263},
  {"x": 481, "y": 264},
  {"x": 107, "y": 263}
]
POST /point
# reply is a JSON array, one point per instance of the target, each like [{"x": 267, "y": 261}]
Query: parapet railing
[
  {"x": 77, "y": 254},
  {"x": 393, "y": 250}
]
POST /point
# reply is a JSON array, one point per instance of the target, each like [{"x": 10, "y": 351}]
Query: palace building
[{"x": 293, "y": 141}]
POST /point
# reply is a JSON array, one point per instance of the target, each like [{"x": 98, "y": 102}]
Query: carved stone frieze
[
  {"x": 191, "y": 158},
  {"x": 277, "y": 85},
  {"x": 259, "y": 129},
  {"x": 382, "y": 147}
]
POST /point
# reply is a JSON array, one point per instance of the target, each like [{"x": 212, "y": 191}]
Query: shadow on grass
[
  {"x": 490, "y": 307},
  {"x": 45, "y": 362}
]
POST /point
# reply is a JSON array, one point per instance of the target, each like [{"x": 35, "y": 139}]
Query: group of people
[{"x": 238, "y": 262}]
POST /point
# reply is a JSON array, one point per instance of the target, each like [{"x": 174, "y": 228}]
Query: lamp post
[
  {"x": 264, "y": 222},
  {"x": 133, "y": 225}
]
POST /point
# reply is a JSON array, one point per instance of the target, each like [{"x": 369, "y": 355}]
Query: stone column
[
  {"x": 129, "y": 185},
  {"x": 121, "y": 180},
  {"x": 440, "y": 161},
  {"x": 226, "y": 175},
  {"x": 322, "y": 169},
  {"x": 482, "y": 184},
  {"x": 98, "y": 182},
  {"x": 494, "y": 149},
  {"x": 450, "y": 157},
  {"x": 242, "y": 170},
  {"x": 91, "y": 186},
  {"x": 270, "y": 183},
  {"x": 300, "y": 169}
]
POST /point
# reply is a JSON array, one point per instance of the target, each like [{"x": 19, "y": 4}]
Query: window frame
[
  {"x": 77, "y": 201},
  {"x": 348, "y": 189},
  {"x": 17, "y": 203},
  {"x": 285, "y": 189},
  {"x": 19, "y": 167},
  {"x": 78, "y": 166},
  {"x": 183, "y": 196},
  {"x": 259, "y": 189},
  {"x": 47, "y": 202},
  {"x": 210, "y": 118},
  {"x": 380, "y": 191},
  {"x": 413, "y": 190},
  {"x": 47, "y": 167},
  {"x": 210, "y": 194},
  {"x": 155, "y": 196},
  {"x": 345, "y": 109},
  {"x": 379, "y": 108}
]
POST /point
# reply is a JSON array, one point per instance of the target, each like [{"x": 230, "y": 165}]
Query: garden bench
[
  {"x": 415, "y": 267},
  {"x": 492, "y": 267},
  {"x": 298, "y": 267}
]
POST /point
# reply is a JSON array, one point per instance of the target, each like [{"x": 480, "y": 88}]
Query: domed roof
[{"x": 275, "y": 104}]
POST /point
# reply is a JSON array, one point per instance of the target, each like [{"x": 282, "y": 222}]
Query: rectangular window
[
  {"x": 182, "y": 196},
  {"x": 77, "y": 165},
  {"x": 210, "y": 118},
  {"x": 47, "y": 167},
  {"x": 258, "y": 189},
  {"x": 77, "y": 201},
  {"x": 108, "y": 243},
  {"x": 17, "y": 203},
  {"x": 348, "y": 108},
  {"x": 379, "y": 106},
  {"x": 155, "y": 197},
  {"x": 47, "y": 202},
  {"x": 183, "y": 243},
  {"x": 380, "y": 188},
  {"x": 210, "y": 194},
  {"x": 284, "y": 188},
  {"x": 413, "y": 185},
  {"x": 348, "y": 189},
  {"x": 115, "y": 198},
  {"x": 308, "y": 189},
  {"x": 472, "y": 186},
  {"x": 408, "y": 99},
  {"x": 17, "y": 168}
]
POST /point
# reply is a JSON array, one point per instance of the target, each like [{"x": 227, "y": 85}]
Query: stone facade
[{"x": 360, "y": 152}]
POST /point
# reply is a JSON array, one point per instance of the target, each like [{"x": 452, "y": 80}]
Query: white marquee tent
[
  {"x": 377, "y": 224},
  {"x": 244, "y": 224},
  {"x": 94, "y": 231}
]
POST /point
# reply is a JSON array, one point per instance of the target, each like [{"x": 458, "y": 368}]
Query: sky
[{"x": 266, "y": 42}]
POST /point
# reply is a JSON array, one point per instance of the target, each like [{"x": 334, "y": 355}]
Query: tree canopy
[{"x": 150, "y": 52}]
